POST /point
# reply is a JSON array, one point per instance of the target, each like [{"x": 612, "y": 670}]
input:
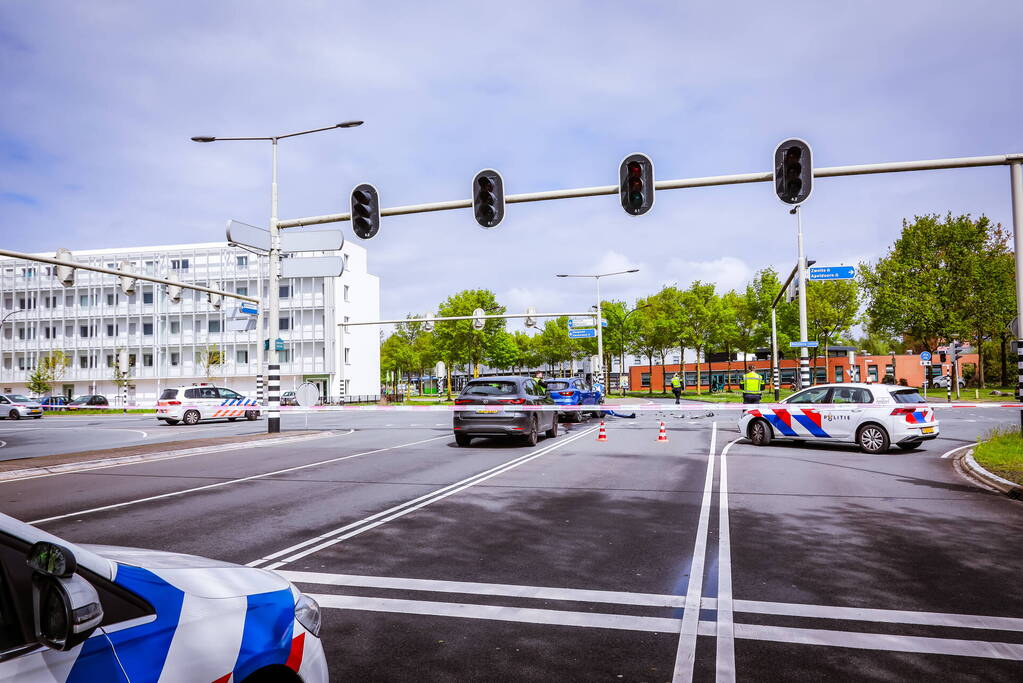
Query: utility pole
[
  {"x": 775, "y": 375},
  {"x": 804, "y": 352},
  {"x": 1016, "y": 177}
]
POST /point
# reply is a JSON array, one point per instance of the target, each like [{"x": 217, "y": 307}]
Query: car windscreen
[
  {"x": 18, "y": 398},
  {"x": 908, "y": 396},
  {"x": 491, "y": 389},
  {"x": 81, "y": 399},
  {"x": 556, "y": 385},
  {"x": 168, "y": 394}
]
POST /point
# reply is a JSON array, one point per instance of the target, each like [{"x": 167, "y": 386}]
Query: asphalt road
[{"x": 629, "y": 560}]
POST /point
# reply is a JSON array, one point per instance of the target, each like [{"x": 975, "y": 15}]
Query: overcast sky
[{"x": 100, "y": 99}]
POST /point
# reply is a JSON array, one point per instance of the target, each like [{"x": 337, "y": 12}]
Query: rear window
[
  {"x": 908, "y": 396},
  {"x": 168, "y": 394},
  {"x": 556, "y": 385},
  {"x": 491, "y": 389},
  {"x": 191, "y": 393}
]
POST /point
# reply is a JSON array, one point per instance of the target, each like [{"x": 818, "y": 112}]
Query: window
[
  {"x": 111, "y": 330},
  {"x": 228, "y": 393},
  {"x": 871, "y": 373},
  {"x": 69, "y": 300},
  {"x": 241, "y": 357},
  {"x": 83, "y": 331},
  {"x": 50, "y": 302},
  {"x": 111, "y": 299},
  {"x": 644, "y": 379},
  {"x": 150, "y": 267},
  {"x": 50, "y": 332},
  {"x": 244, "y": 291},
  {"x": 133, "y": 329},
  {"x": 83, "y": 300},
  {"x": 147, "y": 360},
  {"x": 814, "y": 395},
  {"x": 851, "y": 395},
  {"x": 27, "y": 303},
  {"x": 147, "y": 329},
  {"x": 175, "y": 327},
  {"x": 242, "y": 261},
  {"x": 285, "y": 291},
  {"x": 110, "y": 360},
  {"x": 69, "y": 330},
  {"x": 179, "y": 264},
  {"x": 908, "y": 396},
  {"x": 839, "y": 373},
  {"x": 147, "y": 296},
  {"x": 175, "y": 359},
  {"x": 28, "y": 272},
  {"x": 284, "y": 356},
  {"x": 83, "y": 362},
  {"x": 214, "y": 326},
  {"x": 285, "y": 323},
  {"x": 346, "y": 293}
]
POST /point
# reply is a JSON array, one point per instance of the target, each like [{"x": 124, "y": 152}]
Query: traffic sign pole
[
  {"x": 1016, "y": 176},
  {"x": 804, "y": 353}
]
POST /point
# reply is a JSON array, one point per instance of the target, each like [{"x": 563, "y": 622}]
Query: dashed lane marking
[{"x": 725, "y": 625}]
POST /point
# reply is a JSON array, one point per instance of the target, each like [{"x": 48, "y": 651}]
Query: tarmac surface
[{"x": 628, "y": 560}]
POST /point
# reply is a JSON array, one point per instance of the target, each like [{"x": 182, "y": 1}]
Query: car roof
[
  {"x": 863, "y": 385},
  {"x": 499, "y": 378}
]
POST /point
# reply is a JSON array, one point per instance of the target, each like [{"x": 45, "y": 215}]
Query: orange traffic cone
[
  {"x": 662, "y": 435},
  {"x": 601, "y": 435}
]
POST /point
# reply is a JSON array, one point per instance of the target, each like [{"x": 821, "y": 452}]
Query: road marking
[
  {"x": 969, "y": 445},
  {"x": 2, "y": 444},
  {"x": 685, "y": 657},
  {"x": 355, "y": 528},
  {"x": 54, "y": 429},
  {"x": 779, "y": 634},
  {"x": 725, "y": 628},
  {"x": 219, "y": 484}
]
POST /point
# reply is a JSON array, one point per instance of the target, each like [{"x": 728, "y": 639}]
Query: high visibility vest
[
  {"x": 752, "y": 382},
  {"x": 676, "y": 383}
]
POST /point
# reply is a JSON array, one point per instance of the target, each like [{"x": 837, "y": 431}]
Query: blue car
[
  {"x": 574, "y": 391},
  {"x": 53, "y": 402}
]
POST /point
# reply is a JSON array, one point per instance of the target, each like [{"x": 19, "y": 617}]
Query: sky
[{"x": 101, "y": 98}]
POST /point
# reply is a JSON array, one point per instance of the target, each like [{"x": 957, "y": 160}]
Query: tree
[
  {"x": 653, "y": 331},
  {"x": 991, "y": 302},
  {"x": 50, "y": 369},
  {"x": 553, "y": 345},
  {"x": 503, "y": 352},
  {"x": 702, "y": 318},
  {"x": 210, "y": 358},
  {"x": 527, "y": 350},
  {"x": 456, "y": 340}
]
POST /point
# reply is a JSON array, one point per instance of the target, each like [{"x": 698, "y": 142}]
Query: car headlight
[{"x": 307, "y": 611}]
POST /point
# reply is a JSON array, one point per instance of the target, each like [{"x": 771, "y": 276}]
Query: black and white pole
[
  {"x": 274, "y": 391},
  {"x": 273, "y": 425},
  {"x": 774, "y": 355},
  {"x": 804, "y": 352},
  {"x": 1016, "y": 175}
]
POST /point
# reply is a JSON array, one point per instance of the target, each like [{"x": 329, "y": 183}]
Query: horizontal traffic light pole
[
  {"x": 590, "y": 314},
  {"x": 135, "y": 276},
  {"x": 737, "y": 179}
]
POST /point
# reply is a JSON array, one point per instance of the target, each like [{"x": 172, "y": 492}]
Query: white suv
[
  {"x": 204, "y": 402},
  {"x": 874, "y": 416}
]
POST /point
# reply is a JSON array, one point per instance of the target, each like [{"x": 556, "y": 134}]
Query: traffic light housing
[
  {"x": 215, "y": 299},
  {"x": 127, "y": 282},
  {"x": 636, "y": 184},
  {"x": 942, "y": 358},
  {"x": 365, "y": 211},
  {"x": 488, "y": 198},
  {"x": 957, "y": 351},
  {"x": 428, "y": 323},
  {"x": 530, "y": 317},
  {"x": 173, "y": 291},
  {"x": 478, "y": 321},
  {"x": 65, "y": 274},
  {"x": 793, "y": 171}
]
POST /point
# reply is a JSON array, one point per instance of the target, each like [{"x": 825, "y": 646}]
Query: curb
[
  {"x": 29, "y": 472},
  {"x": 1004, "y": 486}
]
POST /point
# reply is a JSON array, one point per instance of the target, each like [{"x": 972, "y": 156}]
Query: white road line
[
  {"x": 54, "y": 429},
  {"x": 969, "y": 445},
  {"x": 685, "y": 657},
  {"x": 331, "y": 538},
  {"x": 725, "y": 630},
  {"x": 2, "y": 444},
  {"x": 777, "y": 634},
  {"x": 228, "y": 482},
  {"x": 498, "y": 589}
]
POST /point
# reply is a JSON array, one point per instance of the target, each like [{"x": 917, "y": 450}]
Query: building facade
[{"x": 167, "y": 343}]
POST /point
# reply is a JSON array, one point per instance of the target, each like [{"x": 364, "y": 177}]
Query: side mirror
[{"x": 65, "y": 607}]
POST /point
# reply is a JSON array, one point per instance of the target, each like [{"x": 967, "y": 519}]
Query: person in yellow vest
[
  {"x": 752, "y": 385},
  {"x": 676, "y": 388}
]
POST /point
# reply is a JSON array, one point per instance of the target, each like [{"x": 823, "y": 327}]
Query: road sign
[
  {"x": 831, "y": 273},
  {"x": 243, "y": 324},
  {"x": 278, "y": 344},
  {"x": 925, "y": 355},
  {"x": 313, "y": 266},
  {"x": 312, "y": 240},
  {"x": 307, "y": 394},
  {"x": 581, "y": 321},
  {"x": 582, "y": 333},
  {"x": 249, "y": 235},
  {"x": 807, "y": 344},
  {"x": 924, "y": 361},
  {"x": 249, "y": 309}
]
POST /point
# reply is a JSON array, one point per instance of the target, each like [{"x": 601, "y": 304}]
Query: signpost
[
  {"x": 925, "y": 355},
  {"x": 803, "y": 344},
  {"x": 582, "y": 333},
  {"x": 831, "y": 273}
]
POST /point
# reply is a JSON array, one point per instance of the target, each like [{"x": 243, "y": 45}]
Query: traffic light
[
  {"x": 127, "y": 282},
  {"x": 942, "y": 358},
  {"x": 365, "y": 211},
  {"x": 793, "y": 171},
  {"x": 530, "y": 319},
  {"x": 65, "y": 274},
  {"x": 173, "y": 291},
  {"x": 636, "y": 178},
  {"x": 488, "y": 198},
  {"x": 428, "y": 323},
  {"x": 478, "y": 321},
  {"x": 793, "y": 291},
  {"x": 957, "y": 351}
]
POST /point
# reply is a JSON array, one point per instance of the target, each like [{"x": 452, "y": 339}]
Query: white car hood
[{"x": 199, "y": 576}]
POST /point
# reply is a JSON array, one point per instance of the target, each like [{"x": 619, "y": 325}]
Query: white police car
[
  {"x": 101, "y": 614},
  {"x": 874, "y": 416},
  {"x": 204, "y": 402}
]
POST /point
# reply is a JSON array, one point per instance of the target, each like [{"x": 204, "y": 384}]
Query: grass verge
[{"x": 1001, "y": 453}]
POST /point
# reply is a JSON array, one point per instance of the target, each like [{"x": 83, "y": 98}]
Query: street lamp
[
  {"x": 600, "y": 334},
  {"x": 274, "y": 369},
  {"x": 2, "y": 322}
]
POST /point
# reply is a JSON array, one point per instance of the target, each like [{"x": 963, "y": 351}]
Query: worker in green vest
[
  {"x": 752, "y": 384},
  {"x": 676, "y": 388}
]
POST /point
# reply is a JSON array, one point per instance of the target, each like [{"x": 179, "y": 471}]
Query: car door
[
  {"x": 231, "y": 402},
  {"x": 803, "y": 416},
  {"x": 539, "y": 398},
  {"x": 844, "y": 412}
]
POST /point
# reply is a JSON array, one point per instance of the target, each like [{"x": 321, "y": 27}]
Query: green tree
[
  {"x": 653, "y": 331},
  {"x": 527, "y": 350},
  {"x": 702, "y": 316},
  {"x": 211, "y": 357},
  {"x": 503, "y": 352},
  {"x": 49, "y": 369},
  {"x": 456, "y": 341},
  {"x": 553, "y": 345},
  {"x": 990, "y": 303}
]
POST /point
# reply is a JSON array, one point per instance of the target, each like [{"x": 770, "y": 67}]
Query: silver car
[{"x": 16, "y": 406}]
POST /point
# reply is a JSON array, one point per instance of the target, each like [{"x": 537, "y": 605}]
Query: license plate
[
  {"x": 927, "y": 430},
  {"x": 487, "y": 412}
]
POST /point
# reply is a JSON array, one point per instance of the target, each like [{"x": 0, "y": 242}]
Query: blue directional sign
[
  {"x": 582, "y": 333},
  {"x": 831, "y": 273},
  {"x": 925, "y": 355},
  {"x": 807, "y": 344},
  {"x": 248, "y": 308}
]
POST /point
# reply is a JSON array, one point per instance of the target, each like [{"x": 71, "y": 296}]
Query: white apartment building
[{"x": 93, "y": 320}]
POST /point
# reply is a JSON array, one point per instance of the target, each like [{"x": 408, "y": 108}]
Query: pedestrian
[
  {"x": 676, "y": 388},
  {"x": 752, "y": 384}
]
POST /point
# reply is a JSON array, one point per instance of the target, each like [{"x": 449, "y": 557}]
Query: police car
[
  {"x": 874, "y": 416},
  {"x": 204, "y": 402},
  {"x": 103, "y": 614}
]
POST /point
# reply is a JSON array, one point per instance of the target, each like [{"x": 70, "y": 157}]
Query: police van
[{"x": 204, "y": 402}]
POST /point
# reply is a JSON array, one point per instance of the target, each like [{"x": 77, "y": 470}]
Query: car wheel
[
  {"x": 760, "y": 433},
  {"x": 190, "y": 417},
  {"x": 251, "y": 414},
  {"x": 14, "y": 415},
  {"x": 873, "y": 439},
  {"x": 463, "y": 440},
  {"x": 553, "y": 431},
  {"x": 576, "y": 417},
  {"x": 533, "y": 435}
]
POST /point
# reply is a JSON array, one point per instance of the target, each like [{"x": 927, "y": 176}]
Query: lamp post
[
  {"x": 3, "y": 321},
  {"x": 599, "y": 372},
  {"x": 274, "y": 369}
]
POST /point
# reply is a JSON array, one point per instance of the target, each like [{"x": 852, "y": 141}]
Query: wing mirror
[{"x": 65, "y": 607}]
